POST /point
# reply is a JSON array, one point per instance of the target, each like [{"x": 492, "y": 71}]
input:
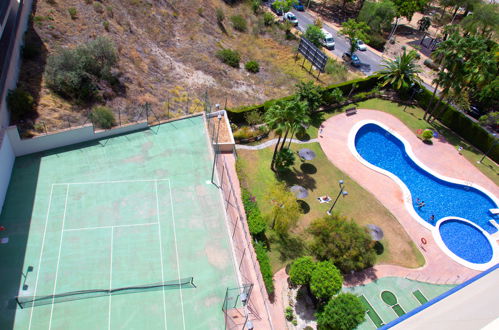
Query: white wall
[
  {"x": 64, "y": 138},
  {"x": 7, "y": 158}
]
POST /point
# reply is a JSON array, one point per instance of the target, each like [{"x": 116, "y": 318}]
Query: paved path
[
  {"x": 271, "y": 143},
  {"x": 439, "y": 268}
]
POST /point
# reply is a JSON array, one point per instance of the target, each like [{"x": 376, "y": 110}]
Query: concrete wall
[
  {"x": 64, "y": 138},
  {"x": 7, "y": 159},
  {"x": 15, "y": 61},
  {"x": 224, "y": 146}
]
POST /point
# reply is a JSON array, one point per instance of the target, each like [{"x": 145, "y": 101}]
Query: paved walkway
[
  {"x": 439, "y": 268},
  {"x": 271, "y": 143}
]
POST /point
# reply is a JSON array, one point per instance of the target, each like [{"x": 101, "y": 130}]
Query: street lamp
[
  {"x": 490, "y": 149},
  {"x": 342, "y": 192},
  {"x": 216, "y": 149}
]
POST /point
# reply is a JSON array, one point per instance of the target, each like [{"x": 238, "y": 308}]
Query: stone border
[{"x": 438, "y": 239}]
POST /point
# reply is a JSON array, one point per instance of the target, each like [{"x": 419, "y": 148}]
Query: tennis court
[{"x": 136, "y": 211}]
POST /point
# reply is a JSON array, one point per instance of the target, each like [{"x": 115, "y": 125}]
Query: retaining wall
[{"x": 7, "y": 158}]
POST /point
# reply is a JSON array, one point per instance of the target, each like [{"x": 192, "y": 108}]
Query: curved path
[
  {"x": 269, "y": 143},
  {"x": 441, "y": 157}
]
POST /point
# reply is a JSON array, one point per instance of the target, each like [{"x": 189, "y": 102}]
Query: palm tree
[
  {"x": 402, "y": 72},
  {"x": 275, "y": 119}
]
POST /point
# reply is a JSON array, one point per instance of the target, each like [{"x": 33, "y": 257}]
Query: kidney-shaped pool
[{"x": 388, "y": 153}]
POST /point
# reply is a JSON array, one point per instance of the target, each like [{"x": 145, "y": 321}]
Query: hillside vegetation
[{"x": 166, "y": 57}]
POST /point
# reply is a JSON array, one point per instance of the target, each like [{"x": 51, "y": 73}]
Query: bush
[
  {"x": 342, "y": 242},
  {"x": 377, "y": 41},
  {"x": 102, "y": 117},
  {"x": 335, "y": 68},
  {"x": 253, "y": 118},
  {"x": 73, "y": 13},
  {"x": 314, "y": 34},
  {"x": 239, "y": 23},
  {"x": 229, "y": 57},
  {"x": 325, "y": 281},
  {"x": 432, "y": 65},
  {"x": 106, "y": 25},
  {"x": 288, "y": 312},
  {"x": 220, "y": 15},
  {"x": 252, "y": 66},
  {"x": 284, "y": 159},
  {"x": 264, "y": 261},
  {"x": 20, "y": 103},
  {"x": 343, "y": 312},
  {"x": 73, "y": 73},
  {"x": 98, "y": 7},
  {"x": 257, "y": 224},
  {"x": 268, "y": 18},
  {"x": 335, "y": 95},
  {"x": 490, "y": 119},
  {"x": 301, "y": 270},
  {"x": 427, "y": 135},
  {"x": 255, "y": 6}
]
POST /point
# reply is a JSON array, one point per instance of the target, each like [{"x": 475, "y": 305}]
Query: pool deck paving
[{"x": 441, "y": 157}]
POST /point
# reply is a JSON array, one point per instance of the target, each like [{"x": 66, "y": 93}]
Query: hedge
[
  {"x": 264, "y": 261},
  {"x": 461, "y": 124},
  {"x": 237, "y": 115}
]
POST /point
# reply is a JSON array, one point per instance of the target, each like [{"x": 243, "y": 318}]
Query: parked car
[
  {"x": 328, "y": 40},
  {"x": 278, "y": 12},
  {"x": 290, "y": 17},
  {"x": 351, "y": 58},
  {"x": 361, "y": 46},
  {"x": 299, "y": 6},
  {"x": 474, "y": 112}
]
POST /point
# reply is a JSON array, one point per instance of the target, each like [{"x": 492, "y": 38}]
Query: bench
[{"x": 351, "y": 111}]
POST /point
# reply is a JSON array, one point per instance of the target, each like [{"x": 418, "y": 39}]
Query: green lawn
[
  {"x": 412, "y": 117},
  {"x": 320, "y": 177}
]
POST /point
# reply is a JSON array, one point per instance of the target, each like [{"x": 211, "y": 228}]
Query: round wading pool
[{"x": 465, "y": 240}]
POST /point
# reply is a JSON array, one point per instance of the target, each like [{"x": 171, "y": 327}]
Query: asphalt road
[{"x": 370, "y": 62}]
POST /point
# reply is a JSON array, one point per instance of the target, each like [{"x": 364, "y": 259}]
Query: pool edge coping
[{"x": 406, "y": 193}]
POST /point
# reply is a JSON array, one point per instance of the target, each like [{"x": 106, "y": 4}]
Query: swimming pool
[{"x": 388, "y": 153}]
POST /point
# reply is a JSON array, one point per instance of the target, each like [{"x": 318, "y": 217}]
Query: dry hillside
[{"x": 166, "y": 56}]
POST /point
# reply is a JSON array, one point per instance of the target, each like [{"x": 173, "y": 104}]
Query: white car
[
  {"x": 290, "y": 17},
  {"x": 328, "y": 40},
  {"x": 361, "y": 46}
]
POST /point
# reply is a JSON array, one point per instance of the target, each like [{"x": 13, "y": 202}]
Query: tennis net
[{"x": 32, "y": 301}]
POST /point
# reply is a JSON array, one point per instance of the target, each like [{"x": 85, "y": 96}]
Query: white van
[{"x": 328, "y": 40}]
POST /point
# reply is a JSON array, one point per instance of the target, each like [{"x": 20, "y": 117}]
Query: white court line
[
  {"x": 114, "y": 226},
  {"x": 59, "y": 256},
  {"x": 160, "y": 250},
  {"x": 106, "y": 182},
  {"x": 41, "y": 252},
  {"x": 111, "y": 277},
  {"x": 176, "y": 252}
]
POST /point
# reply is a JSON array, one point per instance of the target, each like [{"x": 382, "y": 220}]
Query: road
[{"x": 371, "y": 62}]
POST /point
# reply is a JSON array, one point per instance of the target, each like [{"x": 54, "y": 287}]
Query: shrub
[
  {"x": 345, "y": 312},
  {"x": 73, "y": 73},
  {"x": 284, "y": 159},
  {"x": 325, "y": 281},
  {"x": 335, "y": 95},
  {"x": 342, "y": 242},
  {"x": 220, "y": 15},
  {"x": 255, "y": 6},
  {"x": 200, "y": 11},
  {"x": 314, "y": 34},
  {"x": 229, "y": 57},
  {"x": 427, "y": 135},
  {"x": 20, "y": 103},
  {"x": 268, "y": 18},
  {"x": 491, "y": 119},
  {"x": 106, "y": 25},
  {"x": 264, "y": 261},
  {"x": 335, "y": 68},
  {"x": 98, "y": 7},
  {"x": 310, "y": 94},
  {"x": 288, "y": 312},
  {"x": 239, "y": 23},
  {"x": 252, "y": 66},
  {"x": 377, "y": 41},
  {"x": 102, "y": 117},
  {"x": 257, "y": 224},
  {"x": 432, "y": 65},
  {"x": 253, "y": 118},
  {"x": 73, "y": 13},
  {"x": 301, "y": 270}
]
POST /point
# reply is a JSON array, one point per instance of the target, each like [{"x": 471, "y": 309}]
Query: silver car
[{"x": 290, "y": 17}]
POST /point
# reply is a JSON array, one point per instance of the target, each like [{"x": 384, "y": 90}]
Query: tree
[
  {"x": 284, "y": 5},
  {"x": 276, "y": 120},
  {"x": 402, "y": 72},
  {"x": 342, "y": 242},
  {"x": 285, "y": 210},
  {"x": 355, "y": 31},
  {"x": 378, "y": 15},
  {"x": 301, "y": 270},
  {"x": 314, "y": 34},
  {"x": 424, "y": 23},
  {"x": 343, "y": 312},
  {"x": 483, "y": 21},
  {"x": 311, "y": 94},
  {"x": 285, "y": 159},
  {"x": 325, "y": 281},
  {"x": 407, "y": 8}
]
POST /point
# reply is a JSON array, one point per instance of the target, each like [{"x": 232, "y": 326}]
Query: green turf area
[
  {"x": 420, "y": 297},
  {"x": 399, "y": 310},
  {"x": 378, "y": 322},
  {"x": 319, "y": 176},
  {"x": 389, "y": 298},
  {"x": 131, "y": 210},
  {"x": 402, "y": 288}
]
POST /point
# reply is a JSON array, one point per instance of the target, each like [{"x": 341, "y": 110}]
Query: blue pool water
[
  {"x": 470, "y": 244},
  {"x": 442, "y": 198}
]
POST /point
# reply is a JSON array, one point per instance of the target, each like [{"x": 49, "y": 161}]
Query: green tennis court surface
[{"x": 132, "y": 210}]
